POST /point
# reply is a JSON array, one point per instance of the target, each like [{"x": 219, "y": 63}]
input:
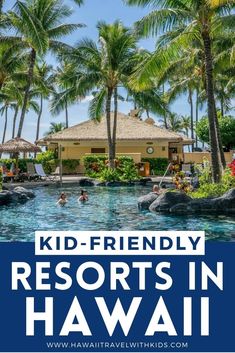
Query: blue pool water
[{"x": 107, "y": 209}]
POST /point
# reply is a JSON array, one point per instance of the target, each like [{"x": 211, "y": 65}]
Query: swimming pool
[{"x": 107, "y": 209}]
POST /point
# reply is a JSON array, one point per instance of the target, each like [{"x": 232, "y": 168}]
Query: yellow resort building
[{"x": 135, "y": 137}]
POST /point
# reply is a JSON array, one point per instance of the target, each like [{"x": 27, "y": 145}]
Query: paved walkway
[{"x": 70, "y": 179}]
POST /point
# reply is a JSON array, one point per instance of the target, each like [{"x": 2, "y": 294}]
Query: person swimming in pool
[
  {"x": 84, "y": 196},
  {"x": 158, "y": 191},
  {"x": 62, "y": 199}
]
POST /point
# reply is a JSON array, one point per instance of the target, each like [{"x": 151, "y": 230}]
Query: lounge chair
[
  {"x": 31, "y": 173},
  {"x": 40, "y": 171},
  {"x": 56, "y": 172}
]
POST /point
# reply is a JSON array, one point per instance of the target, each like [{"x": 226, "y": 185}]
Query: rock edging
[
  {"x": 17, "y": 195},
  {"x": 179, "y": 203}
]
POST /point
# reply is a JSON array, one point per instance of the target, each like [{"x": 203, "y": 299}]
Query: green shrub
[
  {"x": 70, "y": 166},
  {"x": 109, "y": 175},
  {"x": 48, "y": 161},
  {"x": 96, "y": 167},
  {"x": 94, "y": 164},
  {"x": 128, "y": 171},
  {"x": 158, "y": 165},
  {"x": 208, "y": 189},
  {"x": 45, "y": 156},
  {"x": 22, "y": 163}
]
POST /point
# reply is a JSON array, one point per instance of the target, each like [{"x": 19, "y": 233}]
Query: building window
[
  {"x": 97, "y": 150},
  {"x": 163, "y": 148}
]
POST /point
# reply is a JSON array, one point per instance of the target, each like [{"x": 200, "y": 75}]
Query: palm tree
[
  {"x": 54, "y": 128},
  {"x": 4, "y": 111},
  {"x": 43, "y": 87},
  {"x": 149, "y": 101},
  {"x": 186, "y": 124},
  {"x": 11, "y": 97},
  {"x": 174, "y": 122},
  {"x": 64, "y": 93},
  {"x": 38, "y": 24},
  {"x": 224, "y": 92},
  {"x": 11, "y": 63},
  {"x": 102, "y": 68},
  {"x": 189, "y": 20},
  {"x": 8, "y": 96}
]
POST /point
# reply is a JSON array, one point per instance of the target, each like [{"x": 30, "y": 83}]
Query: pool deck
[{"x": 70, "y": 179}]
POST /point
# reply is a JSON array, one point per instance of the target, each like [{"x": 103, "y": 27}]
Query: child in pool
[
  {"x": 63, "y": 199},
  {"x": 84, "y": 196},
  {"x": 158, "y": 191}
]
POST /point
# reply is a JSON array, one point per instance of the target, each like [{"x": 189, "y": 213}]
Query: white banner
[{"x": 120, "y": 243}]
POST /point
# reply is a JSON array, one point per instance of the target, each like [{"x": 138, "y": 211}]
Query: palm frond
[
  {"x": 32, "y": 27},
  {"x": 162, "y": 20},
  {"x": 97, "y": 105},
  {"x": 63, "y": 30}
]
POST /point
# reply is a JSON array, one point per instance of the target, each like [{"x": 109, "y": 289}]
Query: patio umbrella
[{"x": 18, "y": 145}]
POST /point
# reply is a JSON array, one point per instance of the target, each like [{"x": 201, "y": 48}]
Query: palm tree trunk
[
  {"x": 66, "y": 115},
  {"x": 222, "y": 106},
  {"x": 108, "y": 121},
  {"x": 1, "y": 6},
  {"x": 197, "y": 115},
  {"x": 5, "y": 124},
  {"x": 164, "y": 116},
  {"x": 115, "y": 121},
  {"x": 191, "y": 115},
  {"x": 39, "y": 120},
  {"x": 14, "y": 121},
  {"x": 216, "y": 166},
  {"x": 221, "y": 149},
  {"x": 5, "y": 127},
  {"x": 27, "y": 89}
]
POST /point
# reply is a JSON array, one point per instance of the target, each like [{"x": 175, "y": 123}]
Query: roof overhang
[
  {"x": 44, "y": 142},
  {"x": 187, "y": 142}
]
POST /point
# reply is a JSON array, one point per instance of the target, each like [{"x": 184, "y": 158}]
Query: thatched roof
[
  {"x": 128, "y": 128},
  {"x": 18, "y": 145}
]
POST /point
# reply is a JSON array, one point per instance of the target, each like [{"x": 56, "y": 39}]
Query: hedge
[
  {"x": 96, "y": 167},
  {"x": 47, "y": 160},
  {"x": 158, "y": 165}
]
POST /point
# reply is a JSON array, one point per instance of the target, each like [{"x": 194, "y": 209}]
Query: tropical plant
[
  {"x": 102, "y": 68},
  {"x": 97, "y": 167},
  {"x": 38, "y": 24},
  {"x": 186, "y": 21},
  {"x": 149, "y": 101},
  {"x": 184, "y": 77},
  {"x": 11, "y": 62},
  {"x": 227, "y": 129},
  {"x": 54, "y": 128},
  {"x": 42, "y": 88},
  {"x": 209, "y": 189},
  {"x": 11, "y": 98},
  {"x": 157, "y": 165},
  {"x": 65, "y": 92},
  {"x": 174, "y": 122},
  {"x": 186, "y": 124},
  {"x": 181, "y": 182},
  {"x": 232, "y": 168}
]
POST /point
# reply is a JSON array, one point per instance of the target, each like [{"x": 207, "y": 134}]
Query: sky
[{"x": 89, "y": 14}]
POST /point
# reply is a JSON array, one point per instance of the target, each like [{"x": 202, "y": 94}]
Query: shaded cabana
[{"x": 18, "y": 145}]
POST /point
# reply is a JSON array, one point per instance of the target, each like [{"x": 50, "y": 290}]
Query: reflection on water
[{"x": 107, "y": 209}]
